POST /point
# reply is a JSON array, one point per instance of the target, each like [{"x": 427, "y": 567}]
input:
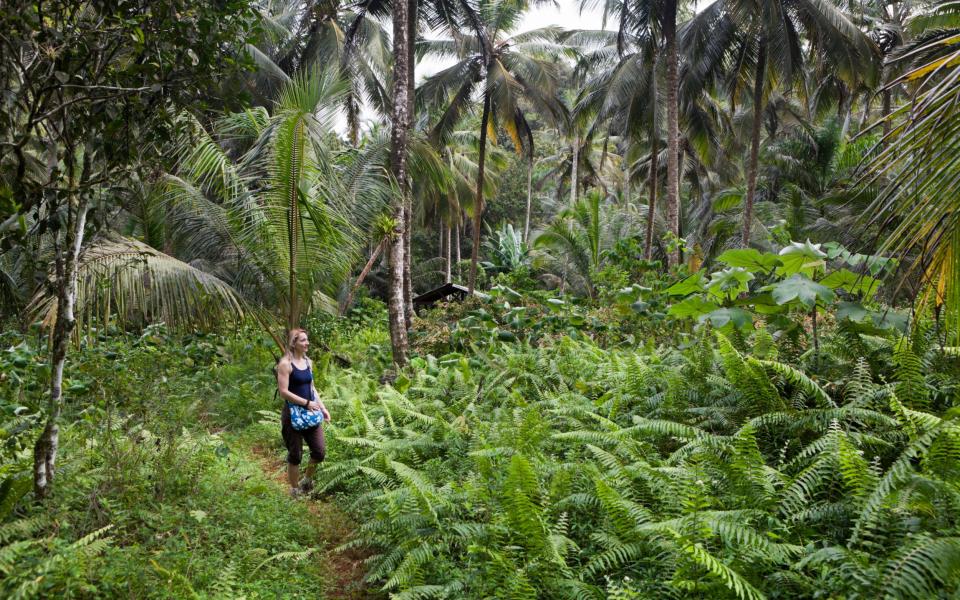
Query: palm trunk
[
  {"x": 456, "y": 232},
  {"x": 363, "y": 275},
  {"x": 441, "y": 237},
  {"x": 846, "y": 109},
  {"x": 865, "y": 114},
  {"x": 293, "y": 230},
  {"x": 408, "y": 198},
  {"x": 759, "y": 78},
  {"x": 627, "y": 191},
  {"x": 654, "y": 166},
  {"x": 407, "y": 253},
  {"x": 449, "y": 277},
  {"x": 45, "y": 449},
  {"x": 574, "y": 171},
  {"x": 526, "y": 221},
  {"x": 478, "y": 205},
  {"x": 398, "y": 163},
  {"x": 673, "y": 127}
]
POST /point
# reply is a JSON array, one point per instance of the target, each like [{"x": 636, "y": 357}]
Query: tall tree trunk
[
  {"x": 478, "y": 205},
  {"x": 654, "y": 163},
  {"x": 673, "y": 126},
  {"x": 363, "y": 275},
  {"x": 65, "y": 265},
  {"x": 627, "y": 191},
  {"x": 398, "y": 164},
  {"x": 449, "y": 276},
  {"x": 293, "y": 231},
  {"x": 456, "y": 232},
  {"x": 846, "y": 110},
  {"x": 408, "y": 197},
  {"x": 441, "y": 236},
  {"x": 865, "y": 114},
  {"x": 526, "y": 220},
  {"x": 759, "y": 79},
  {"x": 574, "y": 170}
]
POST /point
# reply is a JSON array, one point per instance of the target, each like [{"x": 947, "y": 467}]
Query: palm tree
[
  {"x": 298, "y": 36},
  {"x": 623, "y": 92},
  {"x": 767, "y": 42},
  {"x": 273, "y": 233},
  {"x": 582, "y": 233},
  {"x": 917, "y": 171},
  {"x": 505, "y": 69},
  {"x": 401, "y": 120}
]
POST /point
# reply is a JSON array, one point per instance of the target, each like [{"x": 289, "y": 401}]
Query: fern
[
  {"x": 923, "y": 568},
  {"x": 799, "y": 379},
  {"x": 715, "y": 567},
  {"x": 911, "y": 387},
  {"x": 747, "y": 377}
]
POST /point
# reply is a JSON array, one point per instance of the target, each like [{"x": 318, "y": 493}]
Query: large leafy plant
[{"x": 801, "y": 278}]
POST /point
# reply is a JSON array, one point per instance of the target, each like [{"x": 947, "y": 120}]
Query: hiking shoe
[
  {"x": 296, "y": 493},
  {"x": 306, "y": 485}
]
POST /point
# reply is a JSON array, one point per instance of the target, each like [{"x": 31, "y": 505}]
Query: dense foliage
[
  {"x": 724, "y": 466},
  {"x": 706, "y": 344}
]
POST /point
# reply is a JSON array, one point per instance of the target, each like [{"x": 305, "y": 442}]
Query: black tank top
[{"x": 301, "y": 382}]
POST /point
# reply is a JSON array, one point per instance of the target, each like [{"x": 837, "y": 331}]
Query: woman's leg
[
  {"x": 318, "y": 449},
  {"x": 293, "y": 475},
  {"x": 293, "y": 440}
]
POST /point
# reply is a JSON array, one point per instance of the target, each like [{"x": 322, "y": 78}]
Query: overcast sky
[{"x": 566, "y": 14}]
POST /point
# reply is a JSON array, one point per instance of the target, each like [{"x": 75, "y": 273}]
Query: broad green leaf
[
  {"x": 801, "y": 257},
  {"x": 692, "y": 307},
  {"x": 762, "y": 303},
  {"x": 690, "y": 285},
  {"x": 628, "y": 295},
  {"x": 507, "y": 292},
  {"x": 851, "y": 282},
  {"x": 802, "y": 289},
  {"x": 852, "y": 311},
  {"x": 875, "y": 264},
  {"x": 722, "y": 317},
  {"x": 750, "y": 259},
  {"x": 730, "y": 283},
  {"x": 890, "y": 319},
  {"x": 835, "y": 250},
  {"x": 728, "y": 200}
]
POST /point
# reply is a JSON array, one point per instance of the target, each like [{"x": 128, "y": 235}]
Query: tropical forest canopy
[{"x": 701, "y": 330}]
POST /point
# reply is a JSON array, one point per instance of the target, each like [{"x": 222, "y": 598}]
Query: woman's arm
[{"x": 283, "y": 382}]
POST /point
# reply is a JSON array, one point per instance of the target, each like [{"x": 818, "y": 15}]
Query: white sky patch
[{"x": 566, "y": 14}]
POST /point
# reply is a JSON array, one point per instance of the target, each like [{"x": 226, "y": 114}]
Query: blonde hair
[{"x": 291, "y": 340}]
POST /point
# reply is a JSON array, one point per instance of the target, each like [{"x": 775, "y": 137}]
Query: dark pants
[{"x": 294, "y": 439}]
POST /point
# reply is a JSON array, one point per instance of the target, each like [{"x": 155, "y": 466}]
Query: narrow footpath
[{"x": 345, "y": 568}]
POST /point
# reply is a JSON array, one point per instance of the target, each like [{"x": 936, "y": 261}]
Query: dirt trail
[{"x": 345, "y": 568}]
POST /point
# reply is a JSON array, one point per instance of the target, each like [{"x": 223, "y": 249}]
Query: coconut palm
[
  {"x": 274, "y": 232},
  {"x": 297, "y": 36},
  {"x": 767, "y": 43},
  {"x": 505, "y": 70},
  {"x": 580, "y": 235},
  {"x": 918, "y": 169}
]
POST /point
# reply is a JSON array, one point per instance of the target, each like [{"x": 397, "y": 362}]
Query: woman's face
[{"x": 301, "y": 344}]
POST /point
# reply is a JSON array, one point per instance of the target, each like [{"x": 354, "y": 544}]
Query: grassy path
[{"x": 344, "y": 569}]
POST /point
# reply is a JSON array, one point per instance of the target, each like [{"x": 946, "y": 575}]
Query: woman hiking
[{"x": 295, "y": 386}]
